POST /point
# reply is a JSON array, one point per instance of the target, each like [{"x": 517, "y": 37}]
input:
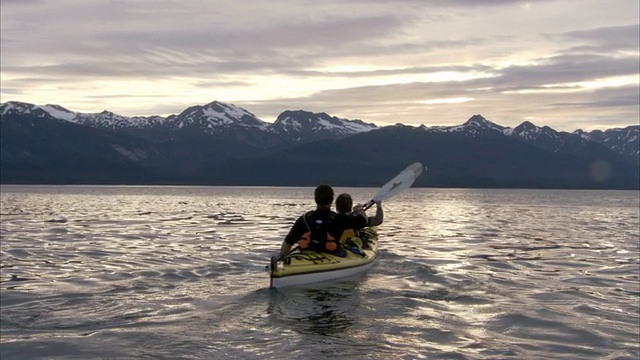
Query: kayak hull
[{"x": 310, "y": 267}]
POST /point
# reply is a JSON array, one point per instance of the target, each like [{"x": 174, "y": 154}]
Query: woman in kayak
[
  {"x": 322, "y": 226},
  {"x": 344, "y": 203}
]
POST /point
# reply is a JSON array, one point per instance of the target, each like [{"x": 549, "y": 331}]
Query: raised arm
[{"x": 379, "y": 217}]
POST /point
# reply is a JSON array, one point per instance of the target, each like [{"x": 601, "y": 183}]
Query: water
[{"x": 179, "y": 273}]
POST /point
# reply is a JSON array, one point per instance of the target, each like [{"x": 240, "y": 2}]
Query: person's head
[
  {"x": 323, "y": 195},
  {"x": 344, "y": 203}
]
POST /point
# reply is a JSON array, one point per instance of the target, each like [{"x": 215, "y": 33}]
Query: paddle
[{"x": 401, "y": 182}]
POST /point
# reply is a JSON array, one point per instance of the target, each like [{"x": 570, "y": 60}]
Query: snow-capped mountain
[
  {"x": 215, "y": 119},
  {"x": 223, "y": 123},
  {"x": 542, "y": 137},
  {"x": 221, "y": 143},
  {"x": 306, "y": 126},
  {"x": 20, "y": 108},
  {"x": 570, "y": 143},
  {"x": 601, "y": 144},
  {"x": 624, "y": 141},
  {"x": 476, "y": 125},
  {"x": 36, "y": 147},
  {"x": 213, "y": 116},
  {"x": 528, "y": 131},
  {"x": 111, "y": 121},
  {"x": 103, "y": 120},
  {"x": 59, "y": 112}
]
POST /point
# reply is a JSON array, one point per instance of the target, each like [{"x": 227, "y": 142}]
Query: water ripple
[{"x": 178, "y": 272}]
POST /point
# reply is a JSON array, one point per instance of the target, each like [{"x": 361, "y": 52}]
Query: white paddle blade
[{"x": 401, "y": 182}]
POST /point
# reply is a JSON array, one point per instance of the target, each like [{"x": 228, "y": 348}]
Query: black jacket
[{"x": 340, "y": 223}]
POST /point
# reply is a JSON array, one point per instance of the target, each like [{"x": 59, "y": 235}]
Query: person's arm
[
  {"x": 379, "y": 218},
  {"x": 295, "y": 233},
  {"x": 284, "y": 249}
]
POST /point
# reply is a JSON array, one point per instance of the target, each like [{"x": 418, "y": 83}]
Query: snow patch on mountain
[
  {"x": 59, "y": 112},
  {"x": 16, "y": 107},
  {"x": 133, "y": 154},
  {"x": 476, "y": 124},
  {"x": 289, "y": 124}
]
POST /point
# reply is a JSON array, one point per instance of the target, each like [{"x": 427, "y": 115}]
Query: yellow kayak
[{"x": 308, "y": 267}]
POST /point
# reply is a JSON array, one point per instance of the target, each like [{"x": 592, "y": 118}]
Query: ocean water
[{"x": 179, "y": 273}]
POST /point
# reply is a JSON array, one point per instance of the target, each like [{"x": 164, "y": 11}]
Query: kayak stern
[{"x": 309, "y": 267}]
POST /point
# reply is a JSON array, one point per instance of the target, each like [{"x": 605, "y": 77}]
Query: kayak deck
[{"x": 307, "y": 267}]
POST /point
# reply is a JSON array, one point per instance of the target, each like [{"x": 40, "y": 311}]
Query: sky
[{"x": 563, "y": 63}]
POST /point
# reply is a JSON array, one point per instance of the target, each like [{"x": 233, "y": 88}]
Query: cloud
[
  {"x": 381, "y": 61},
  {"x": 620, "y": 97},
  {"x": 611, "y": 39}
]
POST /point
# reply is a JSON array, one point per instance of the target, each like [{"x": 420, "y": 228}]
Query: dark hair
[
  {"x": 344, "y": 203},
  {"x": 323, "y": 195}
]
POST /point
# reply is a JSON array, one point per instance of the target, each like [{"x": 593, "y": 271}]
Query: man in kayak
[
  {"x": 323, "y": 219},
  {"x": 344, "y": 205}
]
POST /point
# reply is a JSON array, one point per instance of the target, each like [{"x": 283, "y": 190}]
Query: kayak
[{"x": 309, "y": 267}]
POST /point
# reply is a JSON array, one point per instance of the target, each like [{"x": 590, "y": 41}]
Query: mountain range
[{"x": 222, "y": 144}]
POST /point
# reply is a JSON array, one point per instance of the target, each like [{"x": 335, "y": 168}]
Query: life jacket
[
  {"x": 318, "y": 238},
  {"x": 350, "y": 233},
  {"x": 346, "y": 235}
]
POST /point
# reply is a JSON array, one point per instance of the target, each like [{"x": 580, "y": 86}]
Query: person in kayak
[
  {"x": 344, "y": 205},
  {"x": 321, "y": 226}
]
